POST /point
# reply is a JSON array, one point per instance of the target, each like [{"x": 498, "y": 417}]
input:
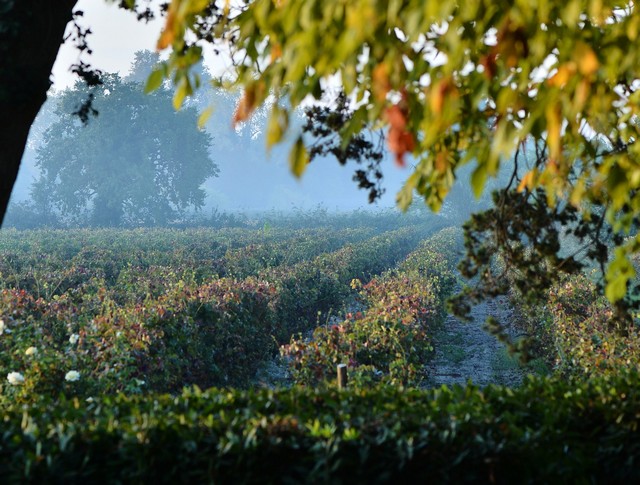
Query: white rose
[
  {"x": 72, "y": 376},
  {"x": 31, "y": 351},
  {"x": 15, "y": 378},
  {"x": 1, "y": 327},
  {"x": 73, "y": 339}
]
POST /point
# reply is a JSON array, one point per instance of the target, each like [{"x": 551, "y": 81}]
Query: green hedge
[{"x": 547, "y": 431}]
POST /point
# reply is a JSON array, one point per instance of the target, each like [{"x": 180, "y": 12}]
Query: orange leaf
[
  {"x": 276, "y": 52},
  {"x": 441, "y": 162},
  {"x": 560, "y": 78},
  {"x": 169, "y": 31},
  {"x": 439, "y": 92},
  {"x": 527, "y": 181},
  {"x": 380, "y": 82},
  {"x": 247, "y": 104},
  {"x": 587, "y": 60},
  {"x": 399, "y": 140}
]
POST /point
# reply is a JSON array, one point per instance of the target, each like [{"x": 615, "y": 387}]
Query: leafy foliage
[
  {"x": 549, "y": 430},
  {"x": 454, "y": 83},
  {"x": 160, "y": 309},
  {"x": 577, "y": 333}
]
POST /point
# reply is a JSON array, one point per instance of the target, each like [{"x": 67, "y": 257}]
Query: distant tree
[
  {"x": 144, "y": 63},
  {"x": 138, "y": 163}
]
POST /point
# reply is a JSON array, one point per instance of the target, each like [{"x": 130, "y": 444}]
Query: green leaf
[
  {"x": 478, "y": 179},
  {"x": 154, "y": 81},
  {"x": 298, "y": 158},
  {"x": 619, "y": 272}
]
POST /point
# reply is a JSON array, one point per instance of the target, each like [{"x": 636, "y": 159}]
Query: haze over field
[{"x": 249, "y": 178}]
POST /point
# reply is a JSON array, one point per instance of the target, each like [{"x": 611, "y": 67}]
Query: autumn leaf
[
  {"x": 399, "y": 140},
  {"x": 527, "y": 181},
  {"x": 380, "y": 82},
  {"x": 439, "y": 92},
  {"x": 298, "y": 158},
  {"x": 169, "y": 31},
  {"x": 442, "y": 162},
  {"x": 276, "y": 52},
  {"x": 554, "y": 127},
  {"x": 178, "y": 13},
  {"x": 247, "y": 104},
  {"x": 563, "y": 75},
  {"x": 587, "y": 60}
]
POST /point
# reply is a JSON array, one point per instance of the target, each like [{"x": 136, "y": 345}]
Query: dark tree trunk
[{"x": 31, "y": 32}]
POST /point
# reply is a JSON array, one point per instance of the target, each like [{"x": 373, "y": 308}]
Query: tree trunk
[{"x": 31, "y": 32}]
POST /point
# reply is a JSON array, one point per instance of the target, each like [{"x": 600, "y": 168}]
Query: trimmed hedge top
[{"x": 549, "y": 430}]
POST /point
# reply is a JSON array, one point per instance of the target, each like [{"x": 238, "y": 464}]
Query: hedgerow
[
  {"x": 50, "y": 262},
  {"x": 547, "y": 431},
  {"x": 576, "y": 332}
]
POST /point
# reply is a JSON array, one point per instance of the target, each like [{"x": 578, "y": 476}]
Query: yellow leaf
[
  {"x": 528, "y": 181},
  {"x": 183, "y": 89},
  {"x": 583, "y": 90},
  {"x": 204, "y": 117},
  {"x": 298, "y": 158},
  {"x": 554, "y": 127},
  {"x": 478, "y": 179},
  {"x": 277, "y": 126},
  {"x": 619, "y": 272},
  {"x": 587, "y": 60}
]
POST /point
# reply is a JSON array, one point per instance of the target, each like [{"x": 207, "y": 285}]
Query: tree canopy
[
  {"x": 454, "y": 83},
  {"x": 138, "y": 162}
]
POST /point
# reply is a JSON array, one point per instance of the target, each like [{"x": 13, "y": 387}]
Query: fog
[{"x": 134, "y": 130}]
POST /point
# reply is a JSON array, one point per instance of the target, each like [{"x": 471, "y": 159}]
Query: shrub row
[
  {"x": 49, "y": 262},
  {"x": 181, "y": 332},
  {"x": 323, "y": 284},
  {"x": 547, "y": 431},
  {"x": 576, "y": 332},
  {"x": 390, "y": 341}
]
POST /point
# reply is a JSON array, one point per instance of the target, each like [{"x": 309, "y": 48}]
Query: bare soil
[{"x": 464, "y": 351}]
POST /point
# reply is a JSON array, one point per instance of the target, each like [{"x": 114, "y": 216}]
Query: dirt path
[{"x": 464, "y": 351}]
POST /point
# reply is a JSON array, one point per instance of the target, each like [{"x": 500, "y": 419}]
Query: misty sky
[{"x": 116, "y": 36}]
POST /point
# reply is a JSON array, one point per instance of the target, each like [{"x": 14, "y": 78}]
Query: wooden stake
[{"x": 342, "y": 376}]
